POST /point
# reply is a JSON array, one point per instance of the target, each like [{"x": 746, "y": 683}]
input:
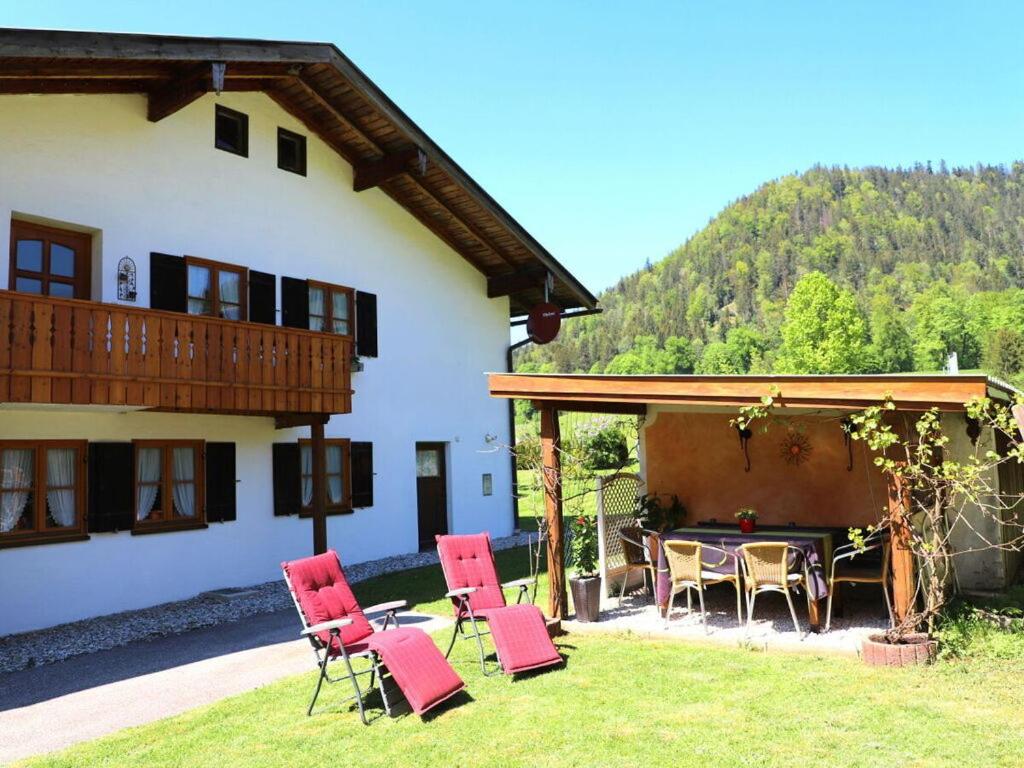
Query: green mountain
[{"x": 834, "y": 270}]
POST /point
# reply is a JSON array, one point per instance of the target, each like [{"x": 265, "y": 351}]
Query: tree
[
  {"x": 823, "y": 331},
  {"x": 1004, "y": 353},
  {"x": 645, "y": 356},
  {"x": 746, "y": 345},
  {"x": 892, "y": 350},
  {"x": 716, "y": 359},
  {"x": 940, "y": 327}
]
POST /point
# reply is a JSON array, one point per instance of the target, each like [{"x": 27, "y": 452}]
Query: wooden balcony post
[
  {"x": 550, "y": 443},
  {"x": 901, "y": 557},
  {"x": 316, "y": 436}
]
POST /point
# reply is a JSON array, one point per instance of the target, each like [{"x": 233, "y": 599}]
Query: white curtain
[
  {"x": 334, "y": 475},
  {"x": 316, "y": 309},
  {"x": 149, "y": 472},
  {"x": 60, "y": 471},
  {"x": 306, "y": 453},
  {"x": 15, "y": 472},
  {"x": 184, "y": 482},
  {"x": 339, "y": 307}
]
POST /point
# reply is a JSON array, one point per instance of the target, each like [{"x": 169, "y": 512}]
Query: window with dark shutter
[
  {"x": 110, "y": 487},
  {"x": 294, "y": 303},
  {"x": 168, "y": 285},
  {"x": 366, "y": 324},
  {"x": 220, "y": 482},
  {"x": 362, "y": 474},
  {"x": 262, "y": 298},
  {"x": 287, "y": 479}
]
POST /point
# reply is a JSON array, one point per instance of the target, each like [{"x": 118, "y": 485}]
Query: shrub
[
  {"x": 606, "y": 448},
  {"x": 583, "y": 545},
  {"x": 528, "y": 452}
]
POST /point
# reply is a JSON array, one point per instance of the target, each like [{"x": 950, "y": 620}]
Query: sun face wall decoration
[{"x": 795, "y": 447}]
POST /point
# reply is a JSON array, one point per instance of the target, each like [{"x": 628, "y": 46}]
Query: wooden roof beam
[
  {"x": 506, "y": 285},
  {"x": 181, "y": 91},
  {"x": 373, "y": 173},
  {"x": 310, "y": 90}
]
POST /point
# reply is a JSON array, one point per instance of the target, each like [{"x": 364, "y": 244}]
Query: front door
[{"x": 431, "y": 492}]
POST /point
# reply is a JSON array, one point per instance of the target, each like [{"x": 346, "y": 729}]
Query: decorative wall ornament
[
  {"x": 745, "y": 434},
  {"x": 126, "y": 280},
  {"x": 795, "y": 448},
  {"x": 849, "y": 428}
]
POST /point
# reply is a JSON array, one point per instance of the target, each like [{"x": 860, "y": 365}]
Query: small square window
[
  {"x": 232, "y": 131},
  {"x": 291, "y": 152}
]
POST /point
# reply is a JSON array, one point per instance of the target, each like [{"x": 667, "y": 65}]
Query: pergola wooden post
[
  {"x": 316, "y": 437},
  {"x": 550, "y": 439},
  {"x": 901, "y": 557}
]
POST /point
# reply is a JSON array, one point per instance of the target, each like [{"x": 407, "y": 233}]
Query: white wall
[{"x": 95, "y": 162}]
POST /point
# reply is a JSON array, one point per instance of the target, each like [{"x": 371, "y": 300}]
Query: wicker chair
[
  {"x": 858, "y": 574},
  {"x": 766, "y": 569},
  {"x": 635, "y": 551},
  {"x": 689, "y": 571}
]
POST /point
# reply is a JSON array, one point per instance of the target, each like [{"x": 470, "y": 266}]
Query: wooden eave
[
  {"x": 603, "y": 393},
  {"x": 321, "y": 87}
]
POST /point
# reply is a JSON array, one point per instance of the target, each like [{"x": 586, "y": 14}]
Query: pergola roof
[
  {"x": 633, "y": 394},
  {"x": 320, "y": 86}
]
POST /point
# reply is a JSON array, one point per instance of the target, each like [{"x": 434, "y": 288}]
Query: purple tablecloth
[{"x": 812, "y": 547}]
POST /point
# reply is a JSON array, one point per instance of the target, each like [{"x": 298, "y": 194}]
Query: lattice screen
[{"x": 618, "y": 499}]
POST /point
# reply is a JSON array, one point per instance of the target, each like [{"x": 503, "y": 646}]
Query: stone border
[{"x": 53, "y": 644}]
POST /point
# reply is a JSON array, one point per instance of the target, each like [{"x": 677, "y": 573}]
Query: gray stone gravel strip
[{"x": 46, "y": 646}]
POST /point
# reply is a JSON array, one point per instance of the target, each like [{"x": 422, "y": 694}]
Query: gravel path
[{"x": 53, "y": 644}]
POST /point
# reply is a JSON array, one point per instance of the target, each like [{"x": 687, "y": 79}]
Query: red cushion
[
  {"x": 420, "y": 670},
  {"x": 324, "y": 595},
  {"x": 467, "y": 561},
  {"x": 521, "y": 638}
]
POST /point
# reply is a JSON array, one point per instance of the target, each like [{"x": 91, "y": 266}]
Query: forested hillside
[{"x": 835, "y": 270}]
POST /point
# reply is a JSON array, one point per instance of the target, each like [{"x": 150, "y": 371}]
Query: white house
[{"x": 218, "y": 249}]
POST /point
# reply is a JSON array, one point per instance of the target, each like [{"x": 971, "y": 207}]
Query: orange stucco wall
[{"x": 698, "y": 457}]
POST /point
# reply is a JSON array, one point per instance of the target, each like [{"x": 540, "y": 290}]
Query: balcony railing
[{"x": 82, "y": 352}]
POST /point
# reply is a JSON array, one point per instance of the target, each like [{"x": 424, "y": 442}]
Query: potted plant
[
  {"x": 748, "y": 519},
  {"x": 586, "y": 582}
]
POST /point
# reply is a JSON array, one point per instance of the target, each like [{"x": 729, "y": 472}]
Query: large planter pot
[
  {"x": 916, "y": 648},
  {"x": 586, "y": 596}
]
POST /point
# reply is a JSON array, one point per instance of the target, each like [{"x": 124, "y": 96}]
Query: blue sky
[{"x": 614, "y": 131}]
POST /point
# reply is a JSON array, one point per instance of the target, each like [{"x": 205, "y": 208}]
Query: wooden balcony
[{"x": 60, "y": 351}]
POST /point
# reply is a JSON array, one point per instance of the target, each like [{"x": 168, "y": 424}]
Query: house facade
[{"x": 218, "y": 248}]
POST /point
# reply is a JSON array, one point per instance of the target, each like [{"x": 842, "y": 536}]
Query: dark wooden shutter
[
  {"x": 287, "y": 479},
  {"x": 167, "y": 282},
  {"x": 362, "y": 474},
  {"x": 262, "y": 298},
  {"x": 111, "y": 491},
  {"x": 294, "y": 303},
  {"x": 220, "y": 482},
  {"x": 366, "y": 324}
]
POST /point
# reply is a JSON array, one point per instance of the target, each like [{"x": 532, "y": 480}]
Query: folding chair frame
[
  {"x": 376, "y": 671},
  {"x": 464, "y": 612}
]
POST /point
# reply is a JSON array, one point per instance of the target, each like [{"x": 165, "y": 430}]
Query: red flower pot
[{"x": 747, "y": 525}]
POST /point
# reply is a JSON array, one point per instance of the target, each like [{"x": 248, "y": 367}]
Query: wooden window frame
[
  {"x": 300, "y": 143},
  {"x": 345, "y": 506},
  {"x": 243, "y": 120},
  {"x": 81, "y": 242},
  {"x": 167, "y": 487},
  {"x": 41, "y": 533},
  {"x": 216, "y": 267},
  {"x": 328, "y": 315}
]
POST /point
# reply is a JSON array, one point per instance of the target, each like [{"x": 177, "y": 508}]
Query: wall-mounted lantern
[{"x": 744, "y": 434}]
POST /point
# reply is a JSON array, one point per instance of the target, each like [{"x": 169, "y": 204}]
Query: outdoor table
[{"x": 816, "y": 547}]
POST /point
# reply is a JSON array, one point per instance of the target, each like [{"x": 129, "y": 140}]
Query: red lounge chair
[
  {"x": 338, "y": 629},
  {"x": 519, "y": 631}
]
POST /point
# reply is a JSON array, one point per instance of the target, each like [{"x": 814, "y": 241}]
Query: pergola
[{"x": 553, "y": 393}]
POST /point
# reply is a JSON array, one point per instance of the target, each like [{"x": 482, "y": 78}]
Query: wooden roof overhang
[
  {"x": 635, "y": 394},
  {"x": 320, "y": 86}
]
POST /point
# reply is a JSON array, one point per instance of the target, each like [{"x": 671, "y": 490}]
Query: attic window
[
  {"x": 232, "y": 131},
  {"x": 291, "y": 152}
]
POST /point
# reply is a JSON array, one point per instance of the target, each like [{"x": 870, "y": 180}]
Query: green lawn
[
  {"x": 581, "y": 494},
  {"x": 620, "y": 701}
]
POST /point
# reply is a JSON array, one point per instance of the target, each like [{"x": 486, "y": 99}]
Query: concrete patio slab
[{"x": 96, "y": 694}]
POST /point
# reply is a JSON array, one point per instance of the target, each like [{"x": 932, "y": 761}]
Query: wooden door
[
  {"x": 431, "y": 492},
  {"x": 50, "y": 262}
]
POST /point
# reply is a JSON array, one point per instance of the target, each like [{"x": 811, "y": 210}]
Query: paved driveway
[{"x": 100, "y": 693}]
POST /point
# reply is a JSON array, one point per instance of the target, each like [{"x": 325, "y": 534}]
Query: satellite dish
[{"x": 543, "y": 322}]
